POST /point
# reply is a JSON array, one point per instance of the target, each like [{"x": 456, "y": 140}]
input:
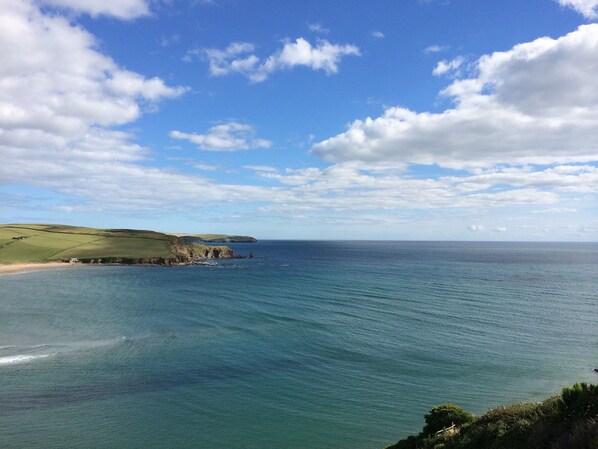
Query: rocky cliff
[{"x": 189, "y": 252}]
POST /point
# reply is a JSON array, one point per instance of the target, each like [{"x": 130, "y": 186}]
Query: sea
[{"x": 307, "y": 345}]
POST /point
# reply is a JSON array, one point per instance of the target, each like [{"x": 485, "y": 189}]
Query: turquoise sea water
[{"x": 309, "y": 345}]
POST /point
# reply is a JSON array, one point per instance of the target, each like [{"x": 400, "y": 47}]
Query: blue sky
[{"x": 411, "y": 119}]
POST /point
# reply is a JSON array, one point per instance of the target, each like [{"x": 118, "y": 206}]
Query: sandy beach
[{"x": 21, "y": 267}]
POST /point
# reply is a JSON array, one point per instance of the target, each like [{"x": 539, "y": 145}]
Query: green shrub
[
  {"x": 568, "y": 421},
  {"x": 444, "y": 416},
  {"x": 579, "y": 401}
]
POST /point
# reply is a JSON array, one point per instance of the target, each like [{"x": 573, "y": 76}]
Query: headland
[{"x": 34, "y": 246}]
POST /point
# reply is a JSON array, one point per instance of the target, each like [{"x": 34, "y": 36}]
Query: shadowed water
[{"x": 311, "y": 344}]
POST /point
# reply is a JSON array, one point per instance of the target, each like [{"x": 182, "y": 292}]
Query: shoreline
[
  {"x": 25, "y": 267},
  {"x": 17, "y": 268}
]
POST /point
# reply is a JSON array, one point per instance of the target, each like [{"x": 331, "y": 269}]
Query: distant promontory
[
  {"x": 215, "y": 238},
  {"x": 44, "y": 243}
]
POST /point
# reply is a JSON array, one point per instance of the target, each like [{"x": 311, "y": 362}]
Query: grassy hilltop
[
  {"x": 24, "y": 243},
  {"x": 567, "y": 421},
  {"x": 215, "y": 238}
]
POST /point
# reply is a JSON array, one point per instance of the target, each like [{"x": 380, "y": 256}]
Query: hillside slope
[{"x": 23, "y": 243}]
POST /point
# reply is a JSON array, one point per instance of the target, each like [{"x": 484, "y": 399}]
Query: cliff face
[
  {"x": 188, "y": 252},
  {"x": 212, "y": 252},
  {"x": 183, "y": 254}
]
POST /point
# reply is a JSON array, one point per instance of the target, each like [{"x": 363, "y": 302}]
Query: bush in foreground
[{"x": 568, "y": 421}]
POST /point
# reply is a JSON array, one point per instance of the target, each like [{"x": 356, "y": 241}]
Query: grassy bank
[
  {"x": 567, "y": 421},
  {"x": 37, "y": 243}
]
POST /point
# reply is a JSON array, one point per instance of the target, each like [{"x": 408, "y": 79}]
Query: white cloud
[
  {"x": 500, "y": 229},
  {"x": 445, "y": 66},
  {"x": 435, "y": 48},
  {"x": 232, "y": 136},
  {"x": 43, "y": 54},
  {"x": 166, "y": 41},
  {"x": 260, "y": 168},
  {"x": 477, "y": 228},
  {"x": 204, "y": 2},
  {"x": 378, "y": 34},
  {"x": 73, "y": 141},
  {"x": 121, "y": 9},
  {"x": 221, "y": 61},
  {"x": 536, "y": 103},
  {"x": 355, "y": 186},
  {"x": 205, "y": 167},
  {"x": 587, "y": 8},
  {"x": 238, "y": 57},
  {"x": 64, "y": 140},
  {"x": 318, "y": 28},
  {"x": 555, "y": 210}
]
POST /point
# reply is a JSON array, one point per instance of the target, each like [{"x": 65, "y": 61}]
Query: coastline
[
  {"x": 25, "y": 267},
  {"x": 7, "y": 269}
]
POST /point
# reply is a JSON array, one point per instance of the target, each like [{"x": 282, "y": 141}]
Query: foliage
[
  {"x": 568, "y": 421},
  {"x": 580, "y": 401},
  {"x": 444, "y": 416}
]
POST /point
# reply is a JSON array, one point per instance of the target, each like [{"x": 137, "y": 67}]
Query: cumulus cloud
[
  {"x": 443, "y": 67},
  {"x": 378, "y": 34},
  {"x": 61, "y": 100},
  {"x": 65, "y": 108},
  {"x": 239, "y": 57},
  {"x": 232, "y": 136},
  {"x": 121, "y": 9},
  {"x": 223, "y": 62},
  {"x": 587, "y": 8},
  {"x": 54, "y": 82},
  {"x": 536, "y": 103}
]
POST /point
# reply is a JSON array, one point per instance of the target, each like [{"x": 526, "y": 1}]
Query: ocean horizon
[{"x": 319, "y": 344}]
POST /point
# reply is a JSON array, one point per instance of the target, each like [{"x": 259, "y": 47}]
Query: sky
[{"x": 395, "y": 119}]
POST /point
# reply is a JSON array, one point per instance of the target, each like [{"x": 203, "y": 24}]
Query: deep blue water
[{"x": 309, "y": 345}]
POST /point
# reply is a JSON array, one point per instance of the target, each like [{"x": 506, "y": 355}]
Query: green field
[
  {"x": 218, "y": 238},
  {"x": 22, "y": 243}
]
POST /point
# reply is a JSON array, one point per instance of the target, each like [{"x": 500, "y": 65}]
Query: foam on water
[
  {"x": 20, "y": 354},
  {"x": 22, "y": 358}
]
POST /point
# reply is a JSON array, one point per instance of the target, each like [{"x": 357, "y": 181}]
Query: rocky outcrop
[
  {"x": 187, "y": 253},
  {"x": 213, "y": 252},
  {"x": 182, "y": 254}
]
